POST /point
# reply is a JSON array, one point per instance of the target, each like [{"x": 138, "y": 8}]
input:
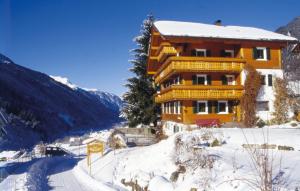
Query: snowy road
[{"x": 61, "y": 177}]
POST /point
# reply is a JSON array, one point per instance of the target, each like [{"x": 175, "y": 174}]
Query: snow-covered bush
[
  {"x": 190, "y": 148},
  {"x": 260, "y": 123},
  {"x": 117, "y": 140}
]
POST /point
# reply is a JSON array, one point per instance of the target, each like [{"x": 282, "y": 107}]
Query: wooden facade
[{"x": 216, "y": 64}]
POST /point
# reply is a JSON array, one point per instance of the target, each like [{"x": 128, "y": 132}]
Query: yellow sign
[{"x": 94, "y": 148}]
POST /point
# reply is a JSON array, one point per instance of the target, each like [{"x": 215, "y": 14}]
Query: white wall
[{"x": 266, "y": 92}]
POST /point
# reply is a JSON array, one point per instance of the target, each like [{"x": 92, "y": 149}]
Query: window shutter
[
  {"x": 208, "y": 53},
  {"x": 209, "y": 104},
  {"x": 230, "y": 106},
  {"x": 194, "y": 107},
  {"x": 194, "y": 52},
  {"x": 194, "y": 79},
  {"x": 224, "y": 80},
  {"x": 270, "y": 80},
  {"x": 222, "y": 53},
  {"x": 254, "y": 53},
  {"x": 208, "y": 77},
  {"x": 268, "y": 54}
]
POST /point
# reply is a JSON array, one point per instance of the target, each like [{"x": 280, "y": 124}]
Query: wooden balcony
[
  {"x": 196, "y": 92},
  {"x": 164, "y": 51},
  {"x": 197, "y": 64}
]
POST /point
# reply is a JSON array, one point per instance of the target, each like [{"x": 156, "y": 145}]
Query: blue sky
[{"x": 88, "y": 41}]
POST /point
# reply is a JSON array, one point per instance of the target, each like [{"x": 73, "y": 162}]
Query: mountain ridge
[{"x": 40, "y": 107}]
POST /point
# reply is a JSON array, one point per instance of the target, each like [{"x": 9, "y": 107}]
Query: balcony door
[{"x": 230, "y": 79}]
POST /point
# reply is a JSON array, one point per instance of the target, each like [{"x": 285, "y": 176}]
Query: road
[{"x": 61, "y": 177}]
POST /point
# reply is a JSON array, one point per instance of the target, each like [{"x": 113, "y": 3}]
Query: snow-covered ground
[
  {"x": 181, "y": 162},
  {"x": 231, "y": 170}
]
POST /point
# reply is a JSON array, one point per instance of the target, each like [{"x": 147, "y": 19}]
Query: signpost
[{"x": 96, "y": 147}]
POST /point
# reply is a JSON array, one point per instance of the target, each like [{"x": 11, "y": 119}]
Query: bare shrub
[
  {"x": 134, "y": 185},
  {"x": 268, "y": 176},
  {"x": 248, "y": 100},
  {"x": 281, "y": 103},
  {"x": 189, "y": 155},
  {"x": 160, "y": 135},
  {"x": 215, "y": 143}
]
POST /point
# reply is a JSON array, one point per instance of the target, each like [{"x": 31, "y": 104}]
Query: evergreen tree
[{"x": 140, "y": 107}]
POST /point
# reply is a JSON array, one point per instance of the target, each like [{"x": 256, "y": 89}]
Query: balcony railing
[
  {"x": 165, "y": 52},
  {"x": 196, "y": 92},
  {"x": 198, "y": 64}
]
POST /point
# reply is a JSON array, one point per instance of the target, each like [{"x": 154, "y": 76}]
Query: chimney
[{"x": 218, "y": 22}]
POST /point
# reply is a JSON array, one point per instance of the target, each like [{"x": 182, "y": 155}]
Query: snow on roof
[{"x": 189, "y": 29}]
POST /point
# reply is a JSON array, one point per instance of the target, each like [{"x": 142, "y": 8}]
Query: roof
[
  {"x": 296, "y": 48},
  {"x": 189, "y": 29}
]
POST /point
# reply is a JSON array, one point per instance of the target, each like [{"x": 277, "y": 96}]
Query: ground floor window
[
  {"x": 173, "y": 107},
  {"x": 222, "y": 107},
  {"x": 176, "y": 129},
  {"x": 202, "y": 107},
  {"x": 262, "y": 106},
  {"x": 213, "y": 106}
]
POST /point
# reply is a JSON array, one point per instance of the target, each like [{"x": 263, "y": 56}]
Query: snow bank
[
  {"x": 93, "y": 184},
  {"x": 160, "y": 183}
]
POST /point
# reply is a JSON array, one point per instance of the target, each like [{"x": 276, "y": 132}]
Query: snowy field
[
  {"x": 211, "y": 159},
  {"x": 232, "y": 168}
]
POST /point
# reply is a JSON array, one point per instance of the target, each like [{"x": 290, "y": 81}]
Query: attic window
[
  {"x": 201, "y": 52},
  {"x": 229, "y": 53}
]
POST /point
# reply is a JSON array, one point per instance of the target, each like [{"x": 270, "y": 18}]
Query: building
[{"x": 198, "y": 69}]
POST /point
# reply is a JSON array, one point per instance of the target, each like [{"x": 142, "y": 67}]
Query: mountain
[
  {"x": 291, "y": 59},
  {"x": 292, "y": 28},
  {"x": 110, "y": 100},
  {"x": 41, "y": 108}
]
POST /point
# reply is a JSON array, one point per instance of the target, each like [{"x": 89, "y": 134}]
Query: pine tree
[
  {"x": 248, "y": 101},
  {"x": 140, "y": 107},
  {"x": 281, "y": 103}
]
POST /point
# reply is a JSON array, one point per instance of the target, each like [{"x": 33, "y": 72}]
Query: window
[
  {"x": 270, "y": 80},
  {"x": 177, "y": 80},
  {"x": 261, "y": 53},
  {"x": 200, "y": 52},
  {"x": 230, "y": 79},
  {"x": 202, "y": 79},
  {"x": 202, "y": 107},
  {"x": 229, "y": 53},
  {"x": 222, "y": 107},
  {"x": 162, "y": 108},
  {"x": 168, "y": 108},
  {"x": 262, "y": 106},
  {"x": 177, "y": 107},
  {"x": 172, "y": 107},
  {"x": 263, "y": 80},
  {"x": 176, "y": 129}
]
